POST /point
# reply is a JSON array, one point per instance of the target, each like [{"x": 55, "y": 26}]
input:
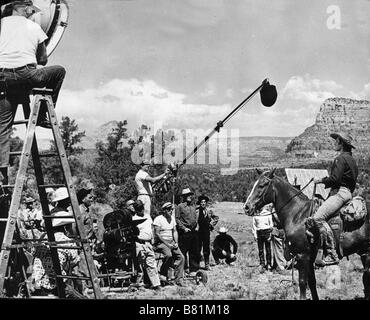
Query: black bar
[{"x": 20, "y": 122}]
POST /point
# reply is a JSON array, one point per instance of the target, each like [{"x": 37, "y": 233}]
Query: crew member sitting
[
  {"x": 166, "y": 241},
  {"x": 222, "y": 247}
]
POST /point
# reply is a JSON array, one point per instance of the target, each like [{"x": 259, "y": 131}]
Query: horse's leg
[
  {"x": 303, "y": 275},
  {"x": 312, "y": 280},
  {"x": 366, "y": 276}
]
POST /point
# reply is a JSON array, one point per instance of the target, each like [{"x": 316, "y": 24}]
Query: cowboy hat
[
  {"x": 186, "y": 191},
  {"x": 145, "y": 162},
  {"x": 82, "y": 193},
  {"x": 222, "y": 230},
  {"x": 25, "y": 3},
  {"x": 62, "y": 221},
  {"x": 344, "y": 137},
  {"x": 167, "y": 205},
  {"x": 29, "y": 199},
  {"x": 129, "y": 202},
  {"x": 202, "y": 197},
  {"x": 60, "y": 194}
]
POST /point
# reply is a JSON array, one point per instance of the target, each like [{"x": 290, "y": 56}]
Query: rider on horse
[{"x": 342, "y": 181}]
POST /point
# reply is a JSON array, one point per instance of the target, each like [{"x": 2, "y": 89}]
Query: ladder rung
[
  {"x": 3, "y": 220},
  {"x": 64, "y": 247},
  {"x": 8, "y": 186},
  {"x": 73, "y": 277},
  {"x": 47, "y": 155},
  {"x": 41, "y": 91},
  {"x": 20, "y": 122},
  {"x": 15, "y": 153},
  {"x": 51, "y": 185},
  {"x": 57, "y": 217}
]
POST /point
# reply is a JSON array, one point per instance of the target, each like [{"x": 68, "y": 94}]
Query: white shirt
[
  {"x": 19, "y": 39},
  {"x": 262, "y": 222},
  {"x": 143, "y": 186},
  {"x": 165, "y": 228},
  {"x": 145, "y": 228}
]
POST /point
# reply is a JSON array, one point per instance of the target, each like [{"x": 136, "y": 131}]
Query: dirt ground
[{"x": 242, "y": 280}]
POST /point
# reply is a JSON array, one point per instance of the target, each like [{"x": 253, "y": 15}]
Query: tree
[{"x": 71, "y": 140}]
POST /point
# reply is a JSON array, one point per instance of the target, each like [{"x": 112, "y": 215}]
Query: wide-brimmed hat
[
  {"x": 186, "y": 191},
  {"x": 345, "y": 137},
  {"x": 167, "y": 205},
  {"x": 25, "y": 3},
  {"x": 129, "y": 202},
  {"x": 82, "y": 193},
  {"x": 202, "y": 197},
  {"x": 62, "y": 221},
  {"x": 29, "y": 199},
  {"x": 60, "y": 194},
  {"x": 222, "y": 230},
  {"x": 145, "y": 162}
]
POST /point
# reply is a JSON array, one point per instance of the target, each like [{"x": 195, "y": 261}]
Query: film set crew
[
  {"x": 130, "y": 206},
  {"x": 143, "y": 183},
  {"x": 22, "y": 48},
  {"x": 222, "y": 247},
  {"x": 342, "y": 181},
  {"x": 85, "y": 198},
  {"x": 262, "y": 226},
  {"x": 166, "y": 242},
  {"x": 187, "y": 226},
  {"x": 207, "y": 221}
]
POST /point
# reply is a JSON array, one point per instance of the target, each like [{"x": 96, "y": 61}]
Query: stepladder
[{"x": 13, "y": 247}]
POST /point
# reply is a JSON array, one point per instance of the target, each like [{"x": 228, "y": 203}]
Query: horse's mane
[{"x": 295, "y": 191}]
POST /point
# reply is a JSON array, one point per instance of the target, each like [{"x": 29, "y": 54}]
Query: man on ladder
[{"x": 22, "y": 47}]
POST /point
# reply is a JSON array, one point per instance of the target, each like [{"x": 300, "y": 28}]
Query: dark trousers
[
  {"x": 189, "y": 243},
  {"x": 22, "y": 80},
  {"x": 264, "y": 243},
  {"x": 217, "y": 255},
  {"x": 171, "y": 258},
  {"x": 204, "y": 243}
]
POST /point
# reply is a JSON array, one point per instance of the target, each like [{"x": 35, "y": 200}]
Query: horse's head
[{"x": 261, "y": 194}]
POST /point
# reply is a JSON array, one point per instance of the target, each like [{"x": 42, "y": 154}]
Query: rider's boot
[{"x": 332, "y": 256}]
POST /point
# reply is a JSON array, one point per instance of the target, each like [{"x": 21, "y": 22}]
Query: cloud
[
  {"x": 138, "y": 102},
  {"x": 309, "y": 90},
  {"x": 363, "y": 94}
]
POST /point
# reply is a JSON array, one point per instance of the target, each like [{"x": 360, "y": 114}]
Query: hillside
[{"x": 335, "y": 115}]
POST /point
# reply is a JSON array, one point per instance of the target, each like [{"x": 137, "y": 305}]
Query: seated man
[
  {"x": 22, "y": 47},
  {"x": 222, "y": 247},
  {"x": 166, "y": 240}
]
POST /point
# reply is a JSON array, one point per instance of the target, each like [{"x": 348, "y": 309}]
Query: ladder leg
[
  {"x": 16, "y": 197},
  {"x": 74, "y": 202}
]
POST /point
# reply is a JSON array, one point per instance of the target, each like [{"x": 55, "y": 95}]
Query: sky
[{"x": 187, "y": 63}]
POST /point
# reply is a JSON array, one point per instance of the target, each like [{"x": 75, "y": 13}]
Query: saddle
[{"x": 348, "y": 218}]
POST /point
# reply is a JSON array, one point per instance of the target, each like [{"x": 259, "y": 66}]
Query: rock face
[{"x": 335, "y": 115}]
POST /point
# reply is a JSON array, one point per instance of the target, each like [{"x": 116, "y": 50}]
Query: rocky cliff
[{"x": 335, "y": 115}]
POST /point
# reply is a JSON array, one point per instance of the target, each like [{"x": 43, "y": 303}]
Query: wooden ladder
[{"x": 10, "y": 236}]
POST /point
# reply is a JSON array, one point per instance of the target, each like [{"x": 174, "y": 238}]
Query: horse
[{"x": 293, "y": 208}]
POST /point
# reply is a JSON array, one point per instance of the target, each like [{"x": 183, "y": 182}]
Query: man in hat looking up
[
  {"x": 222, "y": 247},
  {"x": 143, "y": 182},
  {"x": 187, "y": 226},
  {"x": 22, "y": 48},
  {"x": 206, "y": 221},
  {"x": 166, "y": 241},
  {"x": 342, "y": 181},
  {"x": 144, "y": 249}
]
